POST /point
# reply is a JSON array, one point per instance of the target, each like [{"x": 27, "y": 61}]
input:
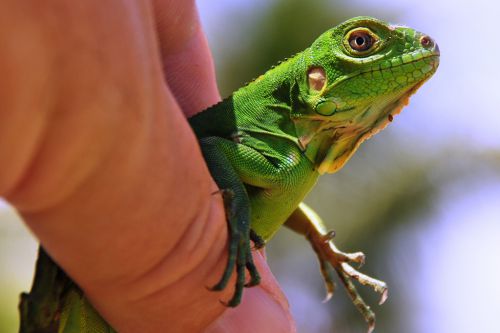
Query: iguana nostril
[
  {"x": 429, "y": 43},
  {"x": 426, "y": 41}
]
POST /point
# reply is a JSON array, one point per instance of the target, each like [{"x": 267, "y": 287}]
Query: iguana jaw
[
  {"x": 330, "y": 144},
  {"x": 351, "y": 138}
]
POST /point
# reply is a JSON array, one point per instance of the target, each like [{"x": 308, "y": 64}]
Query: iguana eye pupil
[{"x": 360, "y": 41}]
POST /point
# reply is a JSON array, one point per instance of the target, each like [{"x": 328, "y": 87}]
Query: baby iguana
[{"x": 266, "y": 145}]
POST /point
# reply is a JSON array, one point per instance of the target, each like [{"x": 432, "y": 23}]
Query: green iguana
[{"x": 267, "y": 144}]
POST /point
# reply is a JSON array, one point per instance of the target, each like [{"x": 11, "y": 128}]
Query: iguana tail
[{"x": 56, "y": 304}]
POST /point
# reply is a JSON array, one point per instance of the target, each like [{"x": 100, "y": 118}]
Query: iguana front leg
[
  {"x": 235, "y": 167},
  {"x": 306, "y": 222}
]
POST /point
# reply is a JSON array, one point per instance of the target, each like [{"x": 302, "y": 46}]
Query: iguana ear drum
[{"x": 317, "y": 78}]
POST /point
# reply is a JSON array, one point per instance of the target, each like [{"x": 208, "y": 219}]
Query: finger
[{"x": 186, "y": 58}]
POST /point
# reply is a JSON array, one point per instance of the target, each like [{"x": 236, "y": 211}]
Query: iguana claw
[
  {"x": 328, "y": 253},
  {"x": 239, "y": 256}
]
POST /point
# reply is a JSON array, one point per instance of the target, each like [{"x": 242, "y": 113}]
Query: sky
[{"x": 459, "y": 291}]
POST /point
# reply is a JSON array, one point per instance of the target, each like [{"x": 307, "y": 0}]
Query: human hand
[{"x": 99, "y": 160}]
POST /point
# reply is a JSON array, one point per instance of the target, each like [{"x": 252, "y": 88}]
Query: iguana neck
[
  {"x": 266, "y": 103},
  {"x": 261, "y": 110}
]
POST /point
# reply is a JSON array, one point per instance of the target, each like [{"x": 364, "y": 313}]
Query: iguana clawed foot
[
  {"x": 328, "y": 253},
  {"x": 240, "y": 255}
]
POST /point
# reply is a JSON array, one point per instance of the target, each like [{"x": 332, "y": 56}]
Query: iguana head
[{"x": 358, "y": 76}]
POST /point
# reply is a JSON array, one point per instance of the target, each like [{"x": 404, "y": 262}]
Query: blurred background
[{"x": 421, "y": 199}]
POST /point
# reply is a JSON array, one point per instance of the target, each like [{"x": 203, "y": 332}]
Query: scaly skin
[{"x": 267, "y": 144}]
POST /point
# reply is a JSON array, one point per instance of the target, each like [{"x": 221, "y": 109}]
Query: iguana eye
[{"x": 360, "y": 40}]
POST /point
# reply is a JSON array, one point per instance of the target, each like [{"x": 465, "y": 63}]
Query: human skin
[{"x": 100, "y": 162}]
